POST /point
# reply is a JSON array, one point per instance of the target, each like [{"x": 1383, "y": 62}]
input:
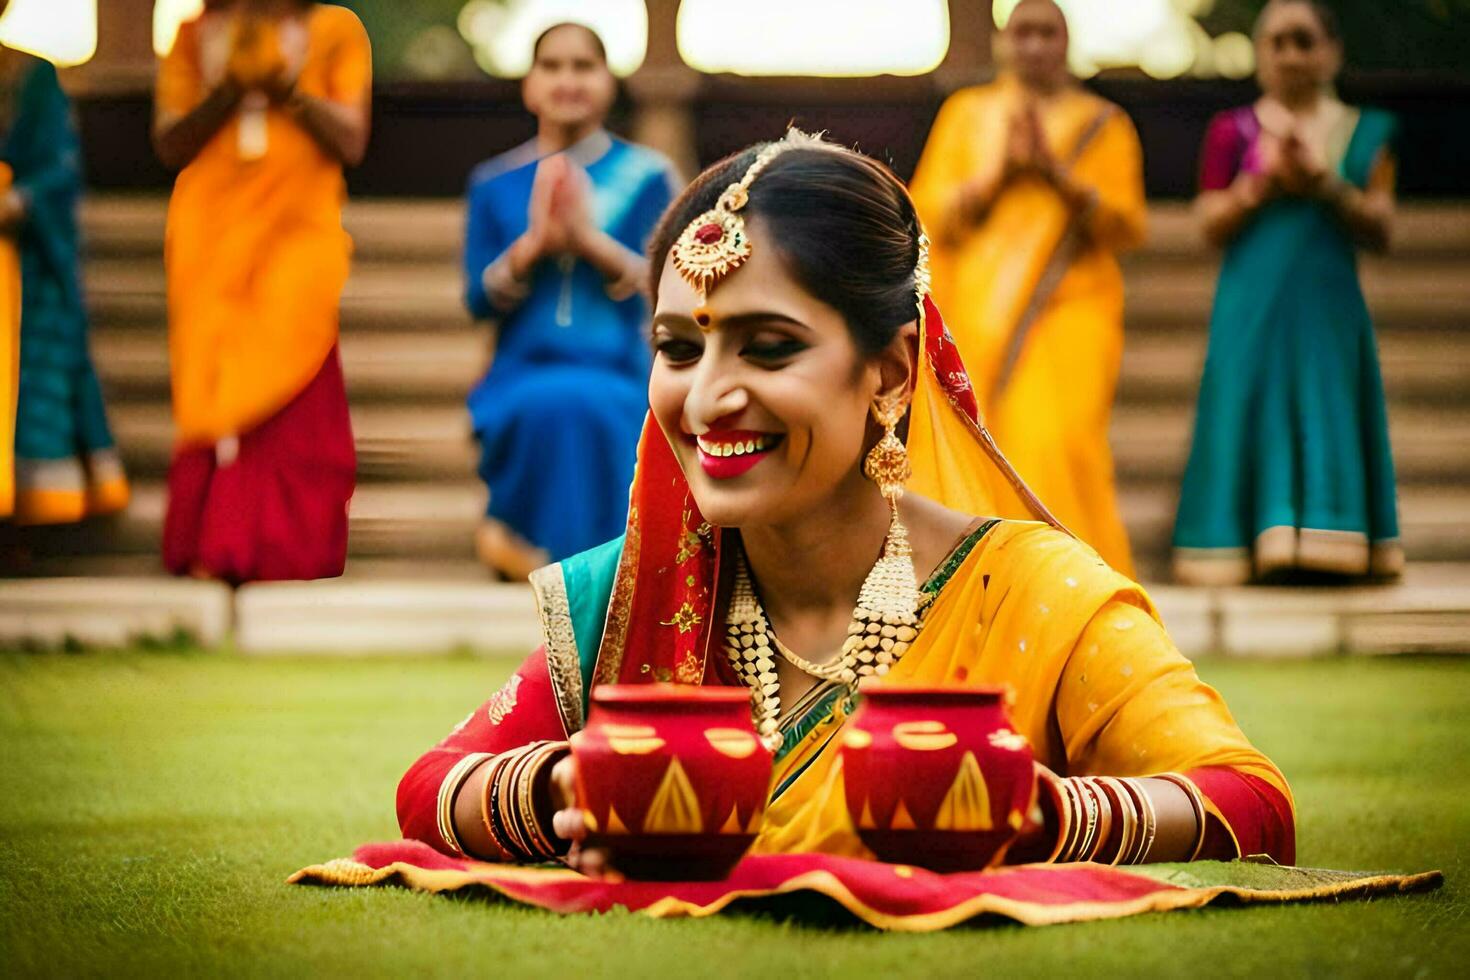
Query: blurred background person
[
  {"x": 65, "y": 465},
  {"x": 1030, "y": 186},
  {"x": 1290, "y": 467},
  {"x": 553, "y": 260},
  {"x": 261, "y": 103},
  {"x": 9, "y": 354}
]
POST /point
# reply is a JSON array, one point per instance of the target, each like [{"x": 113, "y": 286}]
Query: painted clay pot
[
  {"x": 936, "y": 777},
  {"x": 672, "y": 778}
]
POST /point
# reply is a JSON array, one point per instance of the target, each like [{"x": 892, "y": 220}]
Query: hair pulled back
[
  {"x": 1326, "y": 16},
  {"x": 592, "y": 35},
  {"x": 843, "y": 224}
]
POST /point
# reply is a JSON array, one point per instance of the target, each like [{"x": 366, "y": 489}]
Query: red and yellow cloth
[{"x": 885, "y": 896}]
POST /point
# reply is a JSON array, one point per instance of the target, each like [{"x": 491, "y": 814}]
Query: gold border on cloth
[{"x": 563, "y": 663}]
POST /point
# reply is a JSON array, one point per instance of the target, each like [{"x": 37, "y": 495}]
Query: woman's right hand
[{"x": 570, "y": 823}]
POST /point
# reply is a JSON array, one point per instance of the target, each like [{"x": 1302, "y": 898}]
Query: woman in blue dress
[
  {"x": 1290, "y": 471},
  {"x": 554, "y": 261}
]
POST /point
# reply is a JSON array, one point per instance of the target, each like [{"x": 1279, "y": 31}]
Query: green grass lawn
[{"x": 151, "y": 805}]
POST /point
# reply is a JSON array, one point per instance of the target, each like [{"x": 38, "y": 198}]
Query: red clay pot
[
  {"x": 936, "y": 777},
  {"x": 673, "y": 779}
]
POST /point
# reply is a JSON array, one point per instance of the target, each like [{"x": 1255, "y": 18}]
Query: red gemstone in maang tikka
[{"x": 709, "y": 233}]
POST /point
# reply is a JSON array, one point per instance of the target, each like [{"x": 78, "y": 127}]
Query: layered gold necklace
[{"x": 879, "y": 634}]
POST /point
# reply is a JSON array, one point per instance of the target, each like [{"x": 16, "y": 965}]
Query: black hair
[
  {"x": 1326, "y": 16},
  {"x": 596, "y": 39},
  {"x": 843, "y": 223}
]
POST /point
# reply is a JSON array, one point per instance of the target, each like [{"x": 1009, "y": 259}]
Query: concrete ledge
[
  {"x": 384, "y": 617},
  {"x": 1427, "y": 612},
  {"x": 112, "y": 612},
  {"x": 1190, "y": 616},
  {"x": 406, "y": 612}
]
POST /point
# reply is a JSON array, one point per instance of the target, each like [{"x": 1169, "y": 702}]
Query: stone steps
[
  {"x": 433, "y": 441},
  {"x": 416, "y": 295},
  {"x": 432, "y": 229},
  {"x": 411, "y": 354}
]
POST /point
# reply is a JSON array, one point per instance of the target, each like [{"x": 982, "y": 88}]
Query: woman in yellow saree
[
  {"x": 789, "y": 348},
  {"x": 1031, "y": 186}
]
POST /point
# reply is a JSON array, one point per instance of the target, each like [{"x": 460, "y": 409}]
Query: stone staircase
[{"x": 411, "y": 354}]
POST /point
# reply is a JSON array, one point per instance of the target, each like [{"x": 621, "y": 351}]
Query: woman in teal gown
[
  {"x": 1290, "y": 470},
  {"x": 554, "y": 261},
  {"x": 66, "y": 465}
]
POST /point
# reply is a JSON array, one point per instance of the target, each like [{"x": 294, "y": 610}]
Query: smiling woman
[{"x": 802, "y": 381}]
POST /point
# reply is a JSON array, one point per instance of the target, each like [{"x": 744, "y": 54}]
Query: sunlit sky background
[
  {"x": 460, "y": 38},
  {"x": 62, "y": 31}
]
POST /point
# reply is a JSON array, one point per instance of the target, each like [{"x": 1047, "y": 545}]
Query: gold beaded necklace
[{"x": 875, "y": 642}]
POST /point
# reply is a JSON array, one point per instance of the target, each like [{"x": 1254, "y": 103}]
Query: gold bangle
[
  {"x": 1088, "y": 835},
  {"x": 551, "y": 845},
  {"x": 1150, "y": 822},
  {"x": 508, "y": 800},
  {"x": 1072, "y": 827},
  {"x": 448, "y": 790},
  {"x": 1196, "y": 800},
  {"x": 500, "y": 806},
  {"x": 495, "y": 809},
  {"x": 1056, "y": 786},
  {"x": 536, "y": 841},
  {"x": 519, "y": 815},
  {"x": 1129, "y": 854},
  {"x": 486, "y": 816},
  {"x": 1104, "y": 818},
  {"x": 1126, "y": 814}
]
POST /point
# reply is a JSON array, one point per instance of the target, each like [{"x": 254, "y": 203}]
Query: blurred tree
[{"x": 415, "y": 39}]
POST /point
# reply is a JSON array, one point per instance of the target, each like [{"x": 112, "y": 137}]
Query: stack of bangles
[
  {"x": 1111, "y": 820},
  {"x": 513, "y": 782}
]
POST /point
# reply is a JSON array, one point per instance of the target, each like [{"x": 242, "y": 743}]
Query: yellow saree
[
  {"x": 1098, "y": 686},
  {"x": 1034, "y": 294}
]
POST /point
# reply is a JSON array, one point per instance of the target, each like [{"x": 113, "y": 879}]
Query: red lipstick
[{"x": 729, "y": 453}]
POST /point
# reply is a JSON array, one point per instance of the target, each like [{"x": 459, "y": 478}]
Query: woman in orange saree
[
  {"x": 765, "y": 383},
  {"x": 261, "y": 103},
  {"x": 1031, "y": 186}
]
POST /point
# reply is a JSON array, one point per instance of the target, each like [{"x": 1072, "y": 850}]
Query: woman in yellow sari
[
  {"x": 1031, "y": 186},
  {"x": 260, "y": 103},
  {"x": 794, "y": 339}
]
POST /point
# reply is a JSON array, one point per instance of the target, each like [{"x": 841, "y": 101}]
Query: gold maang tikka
[{"x": 715, "y": 244}]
